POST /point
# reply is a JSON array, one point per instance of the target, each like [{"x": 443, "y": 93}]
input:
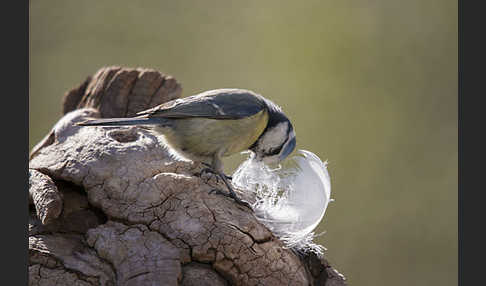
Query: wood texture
[{"x": 123, "y": 211}]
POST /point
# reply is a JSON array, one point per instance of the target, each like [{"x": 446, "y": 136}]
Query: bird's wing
[{"x": 215, "y": 104}]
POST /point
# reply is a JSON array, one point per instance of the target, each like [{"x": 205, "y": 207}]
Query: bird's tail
[{"x": 124, "y": 122}]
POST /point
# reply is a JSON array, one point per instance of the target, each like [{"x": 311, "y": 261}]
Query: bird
[{"x": 208, "y": 126}]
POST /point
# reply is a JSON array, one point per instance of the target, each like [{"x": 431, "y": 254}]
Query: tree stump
[{"x": 112, "y": 206}]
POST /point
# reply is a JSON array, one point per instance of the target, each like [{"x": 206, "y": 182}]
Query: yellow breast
[{"x": 206, "y": 137}]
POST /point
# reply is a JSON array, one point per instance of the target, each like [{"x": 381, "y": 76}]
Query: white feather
[{"x": 290, "y": 200}]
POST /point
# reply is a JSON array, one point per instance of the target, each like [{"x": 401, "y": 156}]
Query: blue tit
[{"x": 217, "y": 123}]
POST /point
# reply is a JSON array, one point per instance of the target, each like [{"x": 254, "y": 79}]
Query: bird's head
[{"x": 277, "y": 140}]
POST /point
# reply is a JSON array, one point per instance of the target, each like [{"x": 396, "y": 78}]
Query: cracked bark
[{"x": 111, "y": 206}]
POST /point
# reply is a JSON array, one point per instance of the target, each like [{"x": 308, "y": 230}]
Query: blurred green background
[{"x": 370, "y": 86}]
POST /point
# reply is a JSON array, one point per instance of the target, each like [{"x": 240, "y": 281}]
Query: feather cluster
[{"x": 290, "y": 200}]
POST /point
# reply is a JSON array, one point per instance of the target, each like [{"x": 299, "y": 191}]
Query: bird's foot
[
  {"x": 219, "y": 192},
  {"x": 225, "y": 179},
  {"x": 211, "y": 173},
  {"x": 232, "y": 196},
  {"x": 209, "y": 170}
]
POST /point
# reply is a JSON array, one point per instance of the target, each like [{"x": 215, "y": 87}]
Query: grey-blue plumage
[
  {"x": 218, "y": 104},
  {"x": 125, "y": 122}
]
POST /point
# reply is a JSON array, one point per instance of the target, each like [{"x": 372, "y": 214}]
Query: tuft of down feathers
[{"x": 290, "y": 200}]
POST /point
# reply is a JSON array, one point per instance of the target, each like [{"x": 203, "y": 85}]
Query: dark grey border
[
  {"x": 471, "y": 143},
  {"x": 14, "y": 24}
]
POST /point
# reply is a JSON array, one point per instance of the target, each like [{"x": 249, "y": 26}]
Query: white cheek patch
[{"x": 275, "y": 136}]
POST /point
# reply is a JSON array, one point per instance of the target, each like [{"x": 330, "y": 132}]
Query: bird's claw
[
  {"x": 232, "y": 196},
  {"x": 243, "y": 203},
  {"x": 224, "y": 178},
  {"x": 219, "y": 192},
  {"x": 210, "y": 170}
]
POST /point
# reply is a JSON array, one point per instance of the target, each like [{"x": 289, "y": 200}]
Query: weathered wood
[
  {"x": 44, "y": 195},
  {"x": 132, "y": 214}
]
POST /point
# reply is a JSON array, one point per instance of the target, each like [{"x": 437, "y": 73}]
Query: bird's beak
[{"x": 289, "y": 148}]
